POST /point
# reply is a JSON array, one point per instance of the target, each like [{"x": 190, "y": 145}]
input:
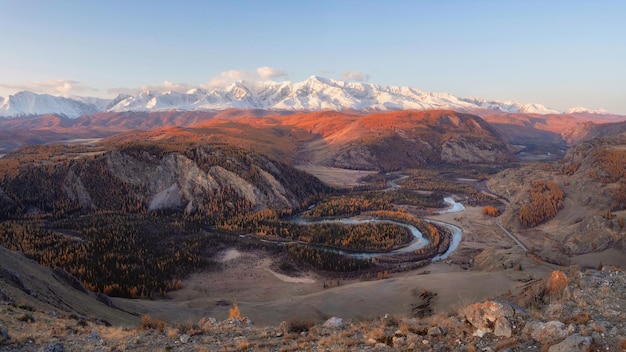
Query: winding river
[{"x": 418, "y": 241}]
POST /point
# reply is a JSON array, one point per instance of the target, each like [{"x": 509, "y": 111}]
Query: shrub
[
  {"x": 557, "y": 283},
  {"x": 148, "y": 323},
  {"x": 234, "y": 312},
  {"x": 491, "y": 211},
  {"x": 299, "y": 325},
  {"x": 546, "y": 199}
]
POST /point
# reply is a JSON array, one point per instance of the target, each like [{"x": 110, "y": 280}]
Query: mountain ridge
[{"x": 314, "y": 94}]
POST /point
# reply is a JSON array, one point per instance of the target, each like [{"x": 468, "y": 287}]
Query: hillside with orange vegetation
[
  {"x": 352, "y": 139},
  {"x": 380, "y": 141},
  {"x": 574, "y": 206}
]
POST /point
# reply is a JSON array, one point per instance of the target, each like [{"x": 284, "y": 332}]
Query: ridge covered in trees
[{"x": 546, "y": 199}]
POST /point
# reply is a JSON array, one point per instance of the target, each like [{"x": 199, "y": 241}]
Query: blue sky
[{"x": 558, "y": 53}]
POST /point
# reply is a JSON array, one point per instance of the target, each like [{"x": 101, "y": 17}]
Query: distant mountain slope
[
  {"x": 313, "y": 94},
  {"x": 555, "y": 129}
]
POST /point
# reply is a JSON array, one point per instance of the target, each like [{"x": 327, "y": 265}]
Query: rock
[
  {"x": 283, "y": 328},
  {"x": 5, "y": 297},
  {"x": 573, "y": 343},
  {"x": 483, "y": 317},
  {"x": 453, "y": 326},
  {"x": 412, "y": 338},
  {"x": 550, "y": 332},
  {"x": 398, "y": 341},
  {"x": 4, "y": 335},
  {"x": 94, "y": 335},
  {"x": 480, "y": 332},
  {"x": 334, "y": 323},
  {"x": 67, "y": 278},
  {"x": 104, "y": 299},
  {"x": 435, "y": 331},
  {"x": 184, "y": 338},
  {"x": 57, "y": 347},
  {"x": 502, "y": 327},
  {"x": 206, "y": 323}
]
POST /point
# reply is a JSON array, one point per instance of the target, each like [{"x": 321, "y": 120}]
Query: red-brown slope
[{"x": 385, "y": 141}]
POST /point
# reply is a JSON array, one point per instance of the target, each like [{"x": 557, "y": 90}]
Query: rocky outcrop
[
  {"x": 334, "y": 323},
  {"x": 491, "y": 317},
  {"x": 548, "y": 333},
  {"x": 152, "y": 176}
]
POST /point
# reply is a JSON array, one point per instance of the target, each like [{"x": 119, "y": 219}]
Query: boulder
[
  {"x": 502, "y": 327},
  {"x": 435, "y": 331},
  {"x": 548, "y": 333},
  {"x": 184, "y": 338},
  {"x": 490, "y": 317},
  {"x": 573, "y": 343},
  {"x": 334, "y": 323}
]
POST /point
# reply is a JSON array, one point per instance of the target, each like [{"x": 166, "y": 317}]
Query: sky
[{"x": 561, "y": 54}]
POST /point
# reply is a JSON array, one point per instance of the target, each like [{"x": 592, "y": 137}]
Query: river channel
[{"x": 417, "y": 243}]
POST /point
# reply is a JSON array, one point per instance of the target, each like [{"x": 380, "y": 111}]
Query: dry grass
[
  {"x": 171, "y": 333},
  {"x": 507, "y": 343},
  {"x": 147, "y": 323},
  {"x": 622, "y": 344},
  {"x": 597, "y": 328},
  {"x": 242, "y": 344},
  {"x": 116, "y": 333},
  {"x": 579, "y": 318}
]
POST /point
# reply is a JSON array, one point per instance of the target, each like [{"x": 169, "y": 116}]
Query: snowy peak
[
  {"x": 580, "y": 109},
  {"x": 313, "y": 94},
  {"x": 29, "y": 104},
  {"x": 537, "y": 109}
]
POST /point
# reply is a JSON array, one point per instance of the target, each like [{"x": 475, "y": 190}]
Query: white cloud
[
  {"x": 223, "y": 79},
  {"x": 266, "y": 72},
  {"x": 166, "y": 86},
  {"x": 357, "y": 76},
  {"x": 227, "y": 77},
  {"x": 62, "y": 87}
]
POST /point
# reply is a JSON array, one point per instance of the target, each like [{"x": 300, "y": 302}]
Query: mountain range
[{"x": 314, "y": 94}]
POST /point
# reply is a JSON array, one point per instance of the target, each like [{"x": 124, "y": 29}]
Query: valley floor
[{"x": 247, "y": 278}]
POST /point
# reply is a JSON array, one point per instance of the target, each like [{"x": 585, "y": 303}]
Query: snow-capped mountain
[
  {"x": 28, "y": 104},
  {"x": 315, "y": 93},
  {"x": 580, "y": 109}
]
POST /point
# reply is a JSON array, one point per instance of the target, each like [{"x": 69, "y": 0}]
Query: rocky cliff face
[{"x": 207, "y": 179}]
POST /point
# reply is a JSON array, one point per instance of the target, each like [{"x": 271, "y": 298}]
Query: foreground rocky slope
[{"x": 572, "y": 311}]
